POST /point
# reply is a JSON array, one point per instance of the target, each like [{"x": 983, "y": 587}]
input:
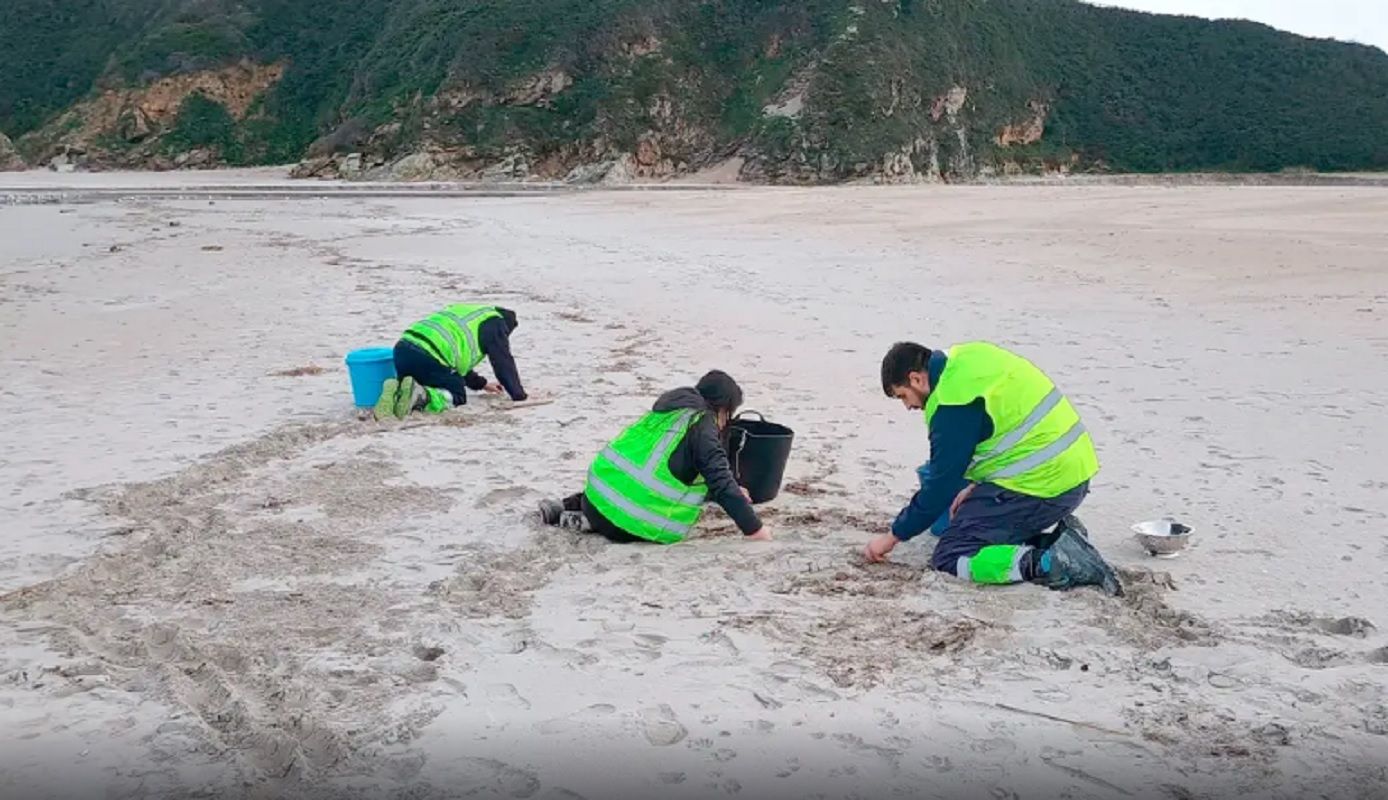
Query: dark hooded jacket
[
  {"x": 494, "y": 337},
  {"x": 700, "y": 452}
]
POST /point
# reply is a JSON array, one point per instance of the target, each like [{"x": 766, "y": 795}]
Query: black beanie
[
  {"x": 720, "y": 391},
  {"x": 509, "y": 317}
]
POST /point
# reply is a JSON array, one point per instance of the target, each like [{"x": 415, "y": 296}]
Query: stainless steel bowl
[{"x": 1163, "y": 538}]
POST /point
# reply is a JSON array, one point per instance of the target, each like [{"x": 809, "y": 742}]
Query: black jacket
[
  {"x": 494, "y": 337},
  {"x": 701, "y": 452}
]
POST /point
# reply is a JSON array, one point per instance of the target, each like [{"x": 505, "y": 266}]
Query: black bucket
[{"x": 758, "y": 451}]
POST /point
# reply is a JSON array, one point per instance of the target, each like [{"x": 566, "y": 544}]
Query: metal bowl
[{"x": 1163, "y": 538}]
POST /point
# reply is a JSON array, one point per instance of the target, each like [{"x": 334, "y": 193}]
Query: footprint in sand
[
  {"x": 650, "y": 641},
  {"x": 1357, "y": 627},
  {"x": 812, "y": 692},
  {"x": 506, "y": 694},
  {"x": 561, "y": 794},
  {"x": 728, "y": 786},
  {"x": 1379, "y": 656},
  {"x": 577, "y": 723},
  {"x": 1325, "y": 657},
  {"x": 403, "y": 768},
  {"x": 661, "y": 727},
  {"x": 1052, "y": 694},
  {"x": 1376, "y": 719},
  {"x": 507, "y": 496},
  {"x": 857, "y": 744},
  {"x": 721, "y": 641},
  {"x": 995, "y": 747},
  {"x": 497, "y": 777},
  {"x": 1346, "y": 626}
]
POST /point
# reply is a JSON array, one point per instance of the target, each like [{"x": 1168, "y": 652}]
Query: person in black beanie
[
  {"x": 436, "y": 357},
  {"x": 651, "y": 482}
]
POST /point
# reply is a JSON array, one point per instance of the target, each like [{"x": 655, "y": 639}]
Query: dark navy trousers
[{"x": 994, "y": 515}]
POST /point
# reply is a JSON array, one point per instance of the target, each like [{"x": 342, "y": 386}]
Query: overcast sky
[{"x": 1364, "y": 21}]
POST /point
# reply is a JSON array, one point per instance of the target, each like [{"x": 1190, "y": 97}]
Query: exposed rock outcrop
[
  {"x": 538, "y": 89},
  {"x": 1028, "y": 132},
  {"x": 120, "y": 127},
  {"x": 10, "y": 160},
  {"x": 916, "y": 162},
  {"x": 949, "y": 104}
]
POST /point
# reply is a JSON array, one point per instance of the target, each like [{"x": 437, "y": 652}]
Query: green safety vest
[
  {"x": 631, "y": 484},
  {"x": 450, "y": 335},
  {"x": 1039, "y": 447}
]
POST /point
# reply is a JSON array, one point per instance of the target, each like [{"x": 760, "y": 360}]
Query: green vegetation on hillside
[
  {"x": 204, "y": 123},
  {"x": 53, "y": 51},
  {"x": 1124, "y": 90}
]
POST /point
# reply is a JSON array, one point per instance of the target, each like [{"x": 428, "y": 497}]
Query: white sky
[{"x": 1364, "y": 21}]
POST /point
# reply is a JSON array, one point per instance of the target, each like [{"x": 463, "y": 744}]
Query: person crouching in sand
[
  {"x": 1001, "y": 429},
  {"x": 435, "y": 358},
  {"x": 650, "y": 484}
]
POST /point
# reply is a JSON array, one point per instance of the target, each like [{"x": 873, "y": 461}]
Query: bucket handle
[
  {"x": 737, "y": 449},
  {"x": 742, "y": 439}
]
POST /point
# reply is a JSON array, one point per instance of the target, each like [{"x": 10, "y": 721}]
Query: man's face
[{"x": 913, "y": 394}]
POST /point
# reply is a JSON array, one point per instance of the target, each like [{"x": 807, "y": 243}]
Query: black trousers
[
  {"x": 601, "y": 525},
  {"x": 413, "y": 361}
]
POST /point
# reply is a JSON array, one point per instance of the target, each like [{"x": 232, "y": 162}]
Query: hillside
[{"x": 811, "y": 91}]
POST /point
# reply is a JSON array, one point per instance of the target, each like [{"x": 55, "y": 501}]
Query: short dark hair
[
  {"x": 720, "y": 391},
  {"x": 900, "y": 361}
]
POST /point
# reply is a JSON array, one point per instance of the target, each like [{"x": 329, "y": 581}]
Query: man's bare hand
[
  {"x": 960, "y": 498},
  {"x": 878, "y": 547},
  {"x": 492, "y": 387}
]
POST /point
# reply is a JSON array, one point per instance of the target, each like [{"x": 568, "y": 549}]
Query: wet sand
[{"x": 219, "y": 579}]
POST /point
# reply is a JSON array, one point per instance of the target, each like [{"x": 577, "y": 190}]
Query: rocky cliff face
[
  {"x": 128, "y": 126},
  {"x": 787, "y": 140},
  {"x": 10, "y": 160}
]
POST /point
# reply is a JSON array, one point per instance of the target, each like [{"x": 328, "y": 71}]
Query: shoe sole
[
  {"x": 404, "y": 398},
  {"x": 385, "y": 405}
]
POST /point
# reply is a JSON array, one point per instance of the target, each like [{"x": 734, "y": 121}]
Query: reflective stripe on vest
[
  {"x": 647, "y": 476},
  {"x": 1015, "y": 436},
  {"x": 649, "y": 517},
  {"x": 465, "y": 350},
  {"x": 1039, "y": 446},
  {"x": 1041, "y": 456}
]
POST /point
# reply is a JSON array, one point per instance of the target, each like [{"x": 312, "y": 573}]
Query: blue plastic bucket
[{"x": 368, "y": 368}]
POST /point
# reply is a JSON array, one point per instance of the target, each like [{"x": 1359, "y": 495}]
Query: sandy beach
[{"x": 218, "y": 580}]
